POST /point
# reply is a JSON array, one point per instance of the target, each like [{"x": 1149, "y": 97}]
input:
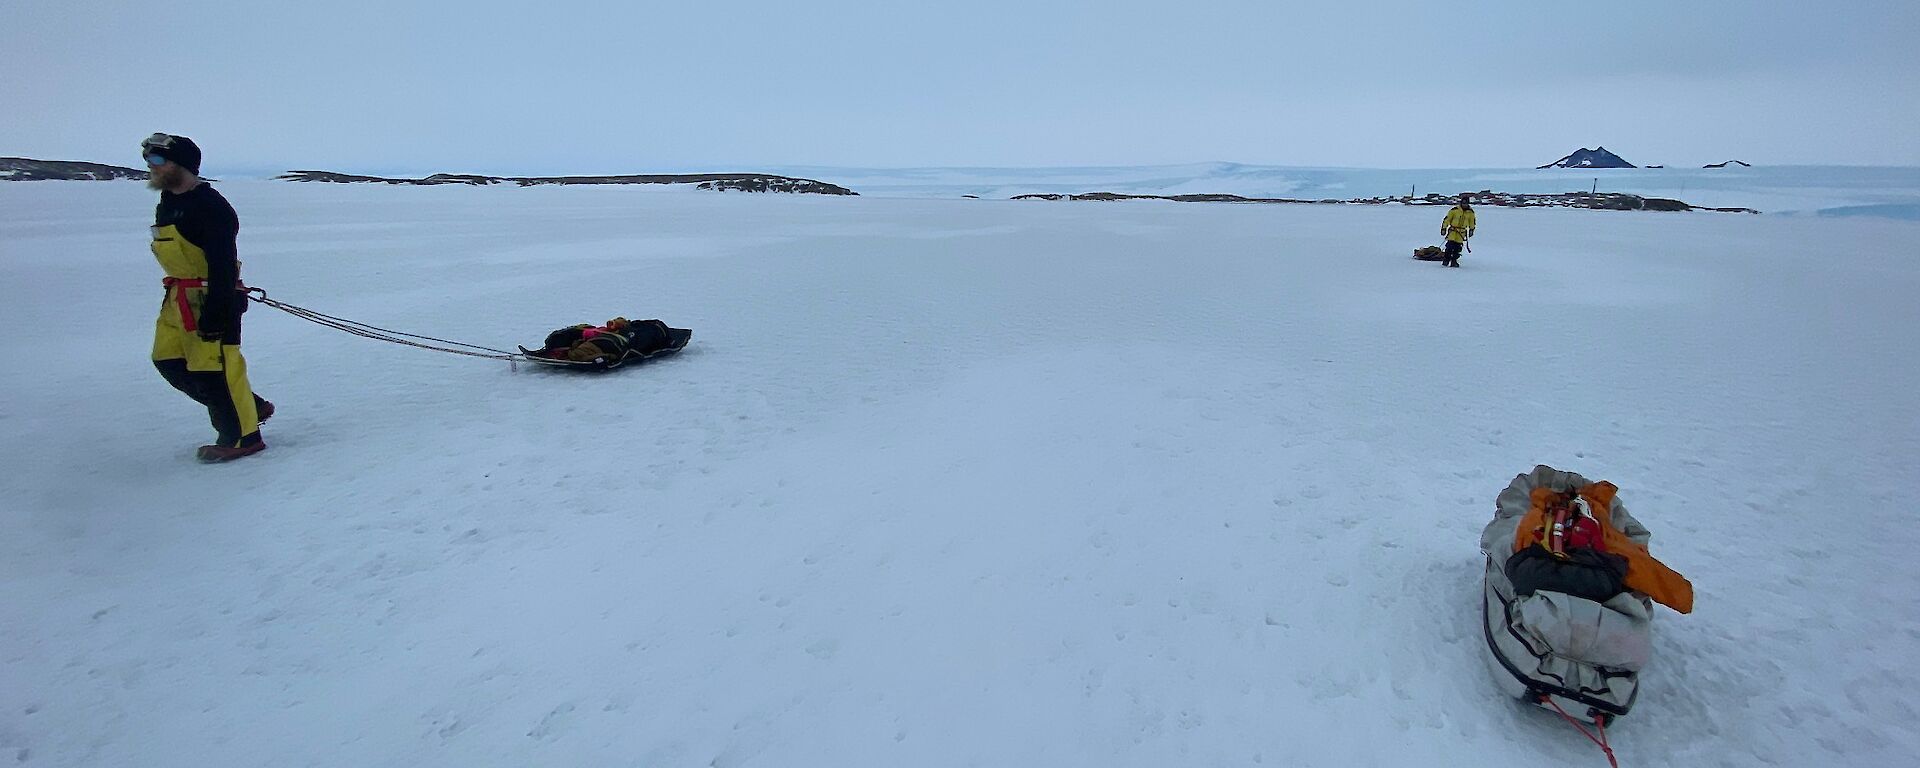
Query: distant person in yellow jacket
[
  {"x": 196, "y": 341},
  {"x": 1456, "y": 228}
]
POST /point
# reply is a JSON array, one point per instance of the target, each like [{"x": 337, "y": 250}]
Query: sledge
[
  {"x": 609, "y": 346},
  {"x": 1568, "y": 627},
  {"x": 1430, "y": 253}
]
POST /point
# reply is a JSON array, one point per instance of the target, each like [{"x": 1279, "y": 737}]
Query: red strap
[
  {"x": 1599, "y": 724},
  {"x": 180, "y": 297}
]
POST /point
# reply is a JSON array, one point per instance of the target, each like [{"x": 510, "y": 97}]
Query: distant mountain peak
[{"x": 1597, "y": 157}]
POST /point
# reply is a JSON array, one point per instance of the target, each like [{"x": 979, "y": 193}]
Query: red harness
[{"x": 174, "y": 284}]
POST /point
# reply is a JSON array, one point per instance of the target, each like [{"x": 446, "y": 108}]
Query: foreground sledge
[
  {"x": 609, "y": 346},
  {"x": 1568, "y": 596}
]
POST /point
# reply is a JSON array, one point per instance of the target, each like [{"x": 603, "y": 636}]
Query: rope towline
[
  {"x": 1599, "y": 724},
  {"x": 377, "y": 333}
]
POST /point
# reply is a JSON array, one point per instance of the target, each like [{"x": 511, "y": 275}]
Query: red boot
[{"x": 212, "y": 454}]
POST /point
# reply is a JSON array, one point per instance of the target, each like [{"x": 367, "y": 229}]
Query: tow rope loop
[
  {"x": 1599, "y": 724},
  {"x": 377, "y": 333}
]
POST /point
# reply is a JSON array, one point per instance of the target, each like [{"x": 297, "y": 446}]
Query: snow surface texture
[
  {"x": 943, "y": 483},
  {"x": 1876, "y": 191}
]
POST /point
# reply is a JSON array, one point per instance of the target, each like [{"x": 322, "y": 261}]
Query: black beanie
[{"x": 179, "y": 149}]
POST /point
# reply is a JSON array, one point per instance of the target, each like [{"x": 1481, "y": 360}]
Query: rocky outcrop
[
  {"x": 741, "y": 182},
  {"x": 1728, "y": 163},
  {"x": 776, "y": 184},
  {"x": 1590, "y": 158},
  {"x": 26, "y": 169},
  {"x": 341, "y": 178},
  {"x": 1605, "y": 201}
]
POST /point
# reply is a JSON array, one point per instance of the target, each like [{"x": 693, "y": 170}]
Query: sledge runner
[{"x": 196, "y": 341}]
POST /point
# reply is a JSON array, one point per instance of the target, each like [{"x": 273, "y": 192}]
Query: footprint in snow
[{"x": 552, "y": 722}]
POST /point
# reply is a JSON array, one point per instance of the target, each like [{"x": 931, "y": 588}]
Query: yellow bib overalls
[{"x": 176, "y": 333}]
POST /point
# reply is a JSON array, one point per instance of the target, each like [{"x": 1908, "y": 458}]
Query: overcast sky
[{"x": 560, "y": 86}]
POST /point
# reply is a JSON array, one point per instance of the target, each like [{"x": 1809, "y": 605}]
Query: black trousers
[{"x": 209, "y": 388}]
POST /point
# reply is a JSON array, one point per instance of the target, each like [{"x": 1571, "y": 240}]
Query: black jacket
[{"x": 208, "y": 221}]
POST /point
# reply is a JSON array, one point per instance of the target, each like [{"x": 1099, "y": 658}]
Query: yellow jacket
[{"x": 1458, "y": 225}]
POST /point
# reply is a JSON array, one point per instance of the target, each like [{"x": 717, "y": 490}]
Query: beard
[{"x": 165, "y": 177}]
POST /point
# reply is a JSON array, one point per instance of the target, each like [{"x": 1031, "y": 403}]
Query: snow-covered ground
[{"x": 943, "y": 483}]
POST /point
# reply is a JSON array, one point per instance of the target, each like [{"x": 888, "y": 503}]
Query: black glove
[{"x": 215, "y": 319}]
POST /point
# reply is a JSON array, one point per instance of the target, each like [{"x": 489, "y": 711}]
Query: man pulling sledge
[
  {"x": 196, "y": 341},
  {"x": 1457, "y": 227}
]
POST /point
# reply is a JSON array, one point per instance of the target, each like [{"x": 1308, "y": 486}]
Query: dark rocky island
[
  {"x": 1590, "y": 158},
  {"x": 740, "y": 182},
  {"x": 26, "y": 169}
]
